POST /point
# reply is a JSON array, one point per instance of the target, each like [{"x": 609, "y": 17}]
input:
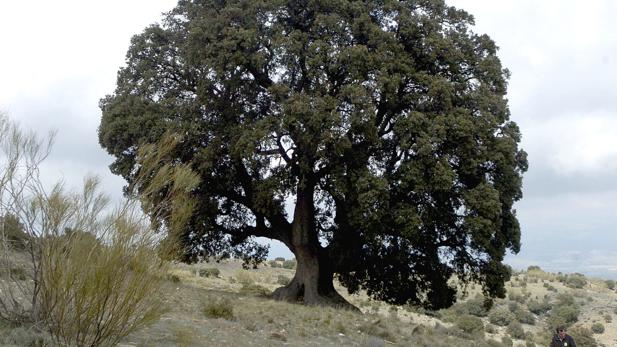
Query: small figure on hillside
[{"x": 561, "y": 339}]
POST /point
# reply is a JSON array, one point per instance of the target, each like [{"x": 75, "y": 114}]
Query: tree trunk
[{"x": 312, "y": 283}]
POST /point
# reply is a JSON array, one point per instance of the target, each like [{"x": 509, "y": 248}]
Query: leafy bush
[
  {"x": 12, "y": 232},
  {"x": 610, "y": 284},
  {"x": 289, "y": 264},
  {"x": 608, "y": 318},
  {"x": 469, "y": 324},
  {"x": 517, "y": 297},
  {"x": 576, "y": 281},
  {"x": 562, "y": 315},
  {"x": 515, "y": 329},
  {"x": 274, "y": 264},
  {"x": 279, "y": 259},
  {"x": 209, "y": 272},
  {"x": 500, "y": 316},
  {"x": 565, "y": 300},
  {"x": 597, "y": 328},
  {"x": 524, "y": 316},
  {"x": 539, "y": 307},
  {"x": 218, "y": 308},
  {"x": 584, "y": 336}
]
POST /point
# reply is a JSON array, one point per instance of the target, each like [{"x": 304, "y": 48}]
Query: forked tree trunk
[{"x": 313, "y": 281}]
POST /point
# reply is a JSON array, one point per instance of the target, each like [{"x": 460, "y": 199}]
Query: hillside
[{"x": 220, "y": 304}]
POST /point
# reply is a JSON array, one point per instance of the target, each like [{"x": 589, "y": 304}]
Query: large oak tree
[{"x": 384, "y": 124}]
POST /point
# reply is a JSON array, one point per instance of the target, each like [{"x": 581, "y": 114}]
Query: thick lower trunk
[{"x": 312, "y": 284}]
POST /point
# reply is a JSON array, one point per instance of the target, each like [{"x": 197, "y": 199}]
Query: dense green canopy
[{"x": 384, "y": 124}]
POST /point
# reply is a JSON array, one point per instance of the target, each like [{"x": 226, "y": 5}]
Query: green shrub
[
  {"x": 279, "y": 259},
  {"x": 289, "y": 264},
  {"x": 610, "y": 284},
  {"x": 608, "y": 318},
  {"x": 218, "y": 308},
  {"x": 576, "y": 281},
  {"x": 539, "y": 307},
  {"x": 515, "y": 329},
  {"x": 469, "y": 324},
  {"x": 562, "y": 315},
  {"x": 13, "y": 232},
  {"x": 524, "y": 316},
  {"x": 565, "y": 299},
  {"x": 274, "y": 264},
  {"x": 209, "y": 272},
  {"x": 597, "y": 328},
  {"x": 15, "y": 273},
  {"x": 517, "y": 297},
  {"x": 500, "y": 316},
  {"x": 583, "y": 336}
]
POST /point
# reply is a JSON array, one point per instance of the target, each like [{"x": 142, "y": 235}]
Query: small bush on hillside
[
  {"x": 500, "y": 316},
  {"x": 15, "y": 273},
  {"x": 608, "y": 318},
  {"x": 517, "y": 297},
  {"x": 12, "y": 232},
  {"x": 279, "y": 259},
  {"x": 515, "y": 329},
  {"x": 597, "y": 328},
  {"x": 565, "y": 299},
  {"x": 576, "y": 281},
  {"x": 491, "y": 329},
  {"x": 539, "y": 307},
  {"x": 562, "y": 315},
  {"x": 583, "y": 336},
  {"x": 610, "y": 284},
  {"x": 209, "y": 272},
  {"x": 469, "y": 324},
  {"x": 289, "y": 264},
  {"x": 507, "y": 341},
  {"x": 218, "y": 308},
  {"x": 244, "y": 278},
  {"x": 524, "y": 316},
  {"x": 274, "y": 264}
]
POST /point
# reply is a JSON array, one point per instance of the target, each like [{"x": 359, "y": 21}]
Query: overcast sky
[{"x": 58, "y": 58}]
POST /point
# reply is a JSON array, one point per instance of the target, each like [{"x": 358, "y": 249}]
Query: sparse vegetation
[
  {"x": 209, "y": 272},
  {"x": 289, "y": 264},
  {"x": 218, "y": 308},
  {"x": 500, "y": 316},
  {"x": 597, "y": 328}
]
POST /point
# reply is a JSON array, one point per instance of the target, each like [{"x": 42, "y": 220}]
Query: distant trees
[{"x": 384, "y": 124}]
